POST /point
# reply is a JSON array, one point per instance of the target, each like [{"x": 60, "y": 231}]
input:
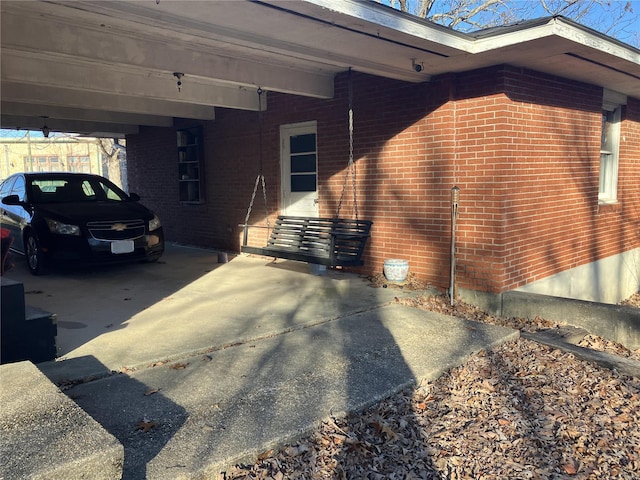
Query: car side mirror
[
  {"x": 134, "y": 197},
  {"x": 12, "y": 200}
]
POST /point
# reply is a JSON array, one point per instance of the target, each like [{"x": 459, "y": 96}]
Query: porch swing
[{"x": 333, "y": 242}]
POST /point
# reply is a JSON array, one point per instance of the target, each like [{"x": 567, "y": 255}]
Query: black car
[{"x": 77, "y": 219}]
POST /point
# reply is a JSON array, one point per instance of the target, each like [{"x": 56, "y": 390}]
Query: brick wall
[
  {"x": 522, "y": 146},
  {"x": 627, "y": 216}
]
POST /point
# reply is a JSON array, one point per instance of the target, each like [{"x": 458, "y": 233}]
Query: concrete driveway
[{"x": 134, "y": 315}]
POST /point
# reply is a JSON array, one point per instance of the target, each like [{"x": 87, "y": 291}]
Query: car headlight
[
  {"x": 63, "y": 228},
  {"x": 154, "y": 223}
]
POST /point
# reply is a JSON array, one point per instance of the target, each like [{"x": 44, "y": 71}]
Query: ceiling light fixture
[
  {"x": 45, "y": 130},
  {"x": 179, "y": 75}
]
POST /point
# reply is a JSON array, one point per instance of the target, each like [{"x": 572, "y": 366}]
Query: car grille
[{"x": 124, "y": 230}]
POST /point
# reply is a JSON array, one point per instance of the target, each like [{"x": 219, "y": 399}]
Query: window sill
[{"x": 609, "y": 207}]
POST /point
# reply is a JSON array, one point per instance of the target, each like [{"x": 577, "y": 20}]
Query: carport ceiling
[{"x": 105, "y": 67}]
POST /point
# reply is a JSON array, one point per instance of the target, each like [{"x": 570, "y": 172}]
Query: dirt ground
[{"x": 519, "y": 411}]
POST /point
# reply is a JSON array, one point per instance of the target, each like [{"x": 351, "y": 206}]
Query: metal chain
[
  {"x": 253, "y": 197},
  {"x": 351, "y": 166},
  {"x": 353, "y": 184},
  {"x": 264, "y": 188},
  {"x": 260, "y": 177},
  {"x": 264, "y": 196}
]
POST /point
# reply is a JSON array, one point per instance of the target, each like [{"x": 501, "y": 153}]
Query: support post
[{"x": 455, "y": 200}]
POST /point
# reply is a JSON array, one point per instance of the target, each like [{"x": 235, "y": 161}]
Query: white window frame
[{"x": 609, "y": 153}]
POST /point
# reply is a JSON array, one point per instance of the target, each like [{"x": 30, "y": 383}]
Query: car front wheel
[{"x": 35, "y": 257}]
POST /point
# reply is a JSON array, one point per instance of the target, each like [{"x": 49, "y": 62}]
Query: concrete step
[{"x": 45, "y": 435}]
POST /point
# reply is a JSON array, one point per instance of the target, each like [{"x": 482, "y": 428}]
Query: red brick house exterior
[{"x": 523, "y": 147}]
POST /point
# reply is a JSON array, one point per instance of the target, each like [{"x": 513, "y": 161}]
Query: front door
[{"x": 299, "y": 163}]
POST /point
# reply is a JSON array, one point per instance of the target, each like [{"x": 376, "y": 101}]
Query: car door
[
  {"x": 14, "y": 216},
  {"x": 5, "y": 191}
]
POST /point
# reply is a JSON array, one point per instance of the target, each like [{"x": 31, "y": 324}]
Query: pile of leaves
[
  {"x": 521, "y": 410},
  {"x": 632, "y": 301},
  {"x": 442, "y": 304},
  {"x": 412, "y": 282}
]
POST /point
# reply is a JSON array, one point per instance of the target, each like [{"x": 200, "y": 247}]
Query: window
[
  {"x": 19, "y": 188},
  {"x": 190, "y": 165},
  {"x": 302, "y": 149},
  {"x": 43, "y": 163},
  {"x": 609, "y": 146},
  {"x": 79, "y": 164},
  {"x": 5, "y": 188}
]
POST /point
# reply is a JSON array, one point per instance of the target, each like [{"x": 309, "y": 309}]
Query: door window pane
[
  {"x": 303, "y": 163},
  {"x": 303, "y": 183},
  {"x": 303, "y": 143}
]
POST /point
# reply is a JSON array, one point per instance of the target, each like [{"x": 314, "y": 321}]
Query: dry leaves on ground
[
  {"x": 519, "y": 411},
  {"x": 442, "y": 304},
  {"x": 632, "y": 301}
]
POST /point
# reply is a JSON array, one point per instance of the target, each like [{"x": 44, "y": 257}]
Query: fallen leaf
[
  {"x": 178, "y": 366},
  {"x": 151, "y": 391},
  {"x": 570, "y": 468},
  {"x": 265, "y": 455},
  {"x": 145, "y": 426}
]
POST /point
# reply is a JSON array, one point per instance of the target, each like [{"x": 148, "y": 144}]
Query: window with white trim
[{"x": 610, "y": 146}]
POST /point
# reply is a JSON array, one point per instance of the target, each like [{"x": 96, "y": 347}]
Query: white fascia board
[
  {"x": 392, "y": 21},
  {"x": 558, "y": 27},
  {"x": 594, "y": 40}
]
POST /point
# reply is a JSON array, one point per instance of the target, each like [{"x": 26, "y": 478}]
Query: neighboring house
[{"x": 29, "y": 153}]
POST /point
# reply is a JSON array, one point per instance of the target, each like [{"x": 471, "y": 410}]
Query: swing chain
[
  {"x": 253, "y": 197},
  {"x": 260, "y": 177},
  {"x": 264, "y": 196},
  {"x": 351, "y": 166}
]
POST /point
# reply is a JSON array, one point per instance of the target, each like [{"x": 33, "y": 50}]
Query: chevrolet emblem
[{"x": 118, "y": 227}]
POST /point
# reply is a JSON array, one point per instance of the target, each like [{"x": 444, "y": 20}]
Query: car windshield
[{"x": 64, "y": 189}]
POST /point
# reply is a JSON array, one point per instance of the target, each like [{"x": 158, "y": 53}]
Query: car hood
[{"x": 83, "y": 212}]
